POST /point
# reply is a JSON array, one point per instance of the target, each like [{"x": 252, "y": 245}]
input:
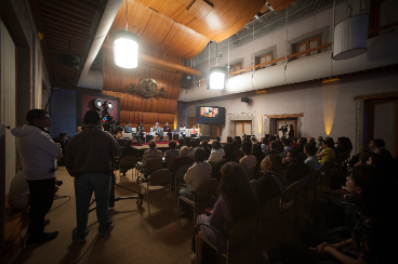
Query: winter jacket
[
  {"x": 92, "y": 150},
  {"x": 38, "y": 152}
]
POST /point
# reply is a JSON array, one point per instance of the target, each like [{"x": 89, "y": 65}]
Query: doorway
[
  {"x": 243, "y": 127},
  {"x": 285, "y": 123}
]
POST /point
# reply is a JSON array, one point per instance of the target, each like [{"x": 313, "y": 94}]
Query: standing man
[
  {"x": 167, "y": 129},
  {"x": 38, "y": 153},
  {"x": 89, "y": 159},
  {"x": 158, "y": 131}
]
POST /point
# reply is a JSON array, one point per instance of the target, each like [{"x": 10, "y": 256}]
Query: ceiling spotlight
[{"x": 125, "y": 49}]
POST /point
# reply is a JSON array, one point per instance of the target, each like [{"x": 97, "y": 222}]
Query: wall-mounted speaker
[{"x": 245, "y": 99}]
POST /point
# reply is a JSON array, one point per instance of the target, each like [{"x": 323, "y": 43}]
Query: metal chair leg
[
  {"x": 147, "y": 193},
  {"x": 178, "y": 211}
]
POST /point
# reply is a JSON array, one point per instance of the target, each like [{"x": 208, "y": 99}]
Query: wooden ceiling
[{"x": 60, "y": 22}]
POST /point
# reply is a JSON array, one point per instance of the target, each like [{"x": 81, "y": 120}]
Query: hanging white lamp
[
  {"x": 125, "y": 47},
  {"x": 350, "y": 36},
  {"x": 216, "y": 75}
]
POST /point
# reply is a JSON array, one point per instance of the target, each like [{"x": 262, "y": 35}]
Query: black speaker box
[
  {"x": 69, "y": 60},
  {"x": 245, "y": 99}
]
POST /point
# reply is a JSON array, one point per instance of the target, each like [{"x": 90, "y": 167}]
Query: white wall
[{"x": 306, "y": 99}]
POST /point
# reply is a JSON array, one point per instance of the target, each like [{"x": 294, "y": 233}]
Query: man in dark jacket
[
  {"x": 295, "y": 168},
  {"x": 228, "y": 156},
  {"x": 89, "y": 159}
]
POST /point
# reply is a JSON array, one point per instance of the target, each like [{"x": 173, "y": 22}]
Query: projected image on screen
[
  {"x": 210, "y": 115},
  {"x": 209, "y": 111}
]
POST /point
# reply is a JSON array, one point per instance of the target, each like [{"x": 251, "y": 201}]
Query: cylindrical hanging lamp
[
  {"x": 125, "y": 49},
  {"x": 351, "y": 37},
  {"x": 217, "y": 78}
]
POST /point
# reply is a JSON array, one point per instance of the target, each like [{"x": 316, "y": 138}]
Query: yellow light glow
[
  {"x": 331, "y": 80},
  {"x": 261, "y": 91},
  {"x": 175, "y": 121},
  {"x": 260, "y": 124},
  {"x": 330, "y": 93},
  {"x": 198, "y": 130}
]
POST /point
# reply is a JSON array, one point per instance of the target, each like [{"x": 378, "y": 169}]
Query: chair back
[
  {"x": 170, "y": 161},
  {"x": 153, "y": 165},
  {"x": 314, "y": 176},
  {"x": 328, "y": 166},
  {"x": 290, "y": 193},
  {"x": 270, "y": 209},
  {"x": 128, "y": 161},
  {"x": 181, "y": 172},
  {"x": 206, "y": 190},
  {"x": 302, "y": 183},
  {"x": 127, "y": 135},
  {"x": 159, "y": 178},
  {"x": 250, "y": 173},
  {"x": 242, "y": 231}
]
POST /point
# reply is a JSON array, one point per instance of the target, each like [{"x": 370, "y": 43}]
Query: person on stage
[
  {"x": 194, "y": 132},
  {"x": 158, "y": 131},
  {"x": 167, "y": 129},
  {"x": 291, "y": 132},
  {"x": 140, "y": 133},
  {"x": 183, "y": 130},
  {"x": 137, "y": 134}
]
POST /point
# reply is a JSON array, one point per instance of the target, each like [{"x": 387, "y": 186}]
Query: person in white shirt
[
  {"x": 311, "y": 161},
  {"x": 217, "y": 153},
  {"x": 195, "y": 176},
  {"x": 158, "y": 131},
  {"x": 183, "y": 130}
]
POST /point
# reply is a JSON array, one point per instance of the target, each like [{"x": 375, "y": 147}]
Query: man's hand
[
  {"x": 58, "y": 144},
  {"x": 324, "y": 247}
]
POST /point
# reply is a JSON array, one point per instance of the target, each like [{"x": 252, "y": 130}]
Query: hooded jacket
[
  {"x": 38, "y": 152},
  {"x": 91, "y": 150}
]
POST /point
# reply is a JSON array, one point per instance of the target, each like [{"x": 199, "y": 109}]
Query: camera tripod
[{"x": 113, "y": 198}]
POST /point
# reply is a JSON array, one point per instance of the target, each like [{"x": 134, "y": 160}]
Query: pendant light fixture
[
  {"x": 216, "y": 75},
  {"x": 350, "y": 35},
  {"x": 125, "y": 47}
]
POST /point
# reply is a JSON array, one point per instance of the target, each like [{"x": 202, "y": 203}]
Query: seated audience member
[
  {"x": 151, "y": 153},
  {"x": 326, "y": 152},
  {"x": 264, "y": 145},
  {"x": 239, "y": 140},
  {"x": 295, "y": 169},
  {"x": 129, "y": 150},
  {"x": 319, "y": 142},
  {"x": 197, "y": 174},
  {"x": 205, "y": 146},
  {"x": 171, "y": 153},
  {"x": 217, "y": 153},
  {"x": 301, "y": 144},
  {"x": 258, "y": 154},
  {"x": 181, "y": 161},
  {"x": 18, "y": 197},
  {"x": 254, "y": 140},
  {"x": 273, "y": 148},
  {"x": 381, "y": 159},
  {"x": 237, "y": 151},
  {"x": 376, "y": 143},
  {"x": 248, "y": 162},
  {"x": 271, "y": 184},
  {"x": 311, "y": 161},
  {"x": 340, "y": 147},
  {"x": 294, "y": 144},
  {"x": 311, "y": 140},
  {"x": 183, "y": 130},
  {"x": 373, "y": 240},
  {"x": 219, "y": 140},
  {"x": 236, "y": 203},
  {"x": 192, "y": 147},
  {"x": 229, "y": 140},
  {"x": 247, "y": 139},
  {"x": 286, "y": 147},
  {"x": 229, "y": 156},
  {"x": 180, "y": 143},
  {"x": 280, "y": 148},
  {"x": 271, "y": 138}
]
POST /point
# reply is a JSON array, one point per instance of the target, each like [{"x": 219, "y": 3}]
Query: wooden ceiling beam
[
  {"x": 66, "y": 43},
  {"x": 59, "y": 15},
  {"x": 73, "y": 41},
  {"x": 61, "y": 50},
  {"x": 65, "y": 9},
  {"x": 72, "y": 6},
  {"x": 88, "y": 5},
  {"x": 66, "y": 34},
  {"x": 46, "y": 16},
  {"x": 60, "y": 26}
]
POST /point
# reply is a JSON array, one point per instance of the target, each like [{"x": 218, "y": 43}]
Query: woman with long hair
[
  {"x": 236, "y": 203},
  {"x": 373, "y": 240}
]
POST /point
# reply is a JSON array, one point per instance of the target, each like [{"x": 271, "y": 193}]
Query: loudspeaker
[
  {"x": 245, "y": 99},
  {"x": 69, "y": 60}
]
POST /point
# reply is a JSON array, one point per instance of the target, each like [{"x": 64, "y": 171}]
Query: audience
[
  {"x": 205, "y": 146},
  {"x": 181, "y": 161},
  {"x": 229, "y": 156},
  {"x": 286, "y": 147},
  {"x": 340, "y": 146},
  {"x": 258, "y": 154},
  {"x": 273, "y": 148},
  {"x": 236, "y": 203},
  {"x": 171, "y": 153},
  {"x": 248, "y": 162},
  {"x": 319, "y": 142},
  {"x": 325, "y": 152},
  {"x": 151, "y": 153},
  {"x": 264, "y": 145},
  {"x": 295, "y": 168},
  {"x": 239, "y": 140},
  {"x": 374, "y": 236},
  {"x": 197, "y": 174},
  {"x": 311, "y": 140},
  {"x": 180, "y": 143},
  {"x": 229, "y": 140},
  {"x": 254, "y": 140},
  {"x": 271, "y": 185},
  {"x": 294, "y": 144},
  {"x": 311, "y": 161},
  {"x": 192, "y": 147},
  {"x": 217, "y": 153},
  {"x": 237, "y": 151}
]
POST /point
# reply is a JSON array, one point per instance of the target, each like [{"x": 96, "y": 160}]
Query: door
[
  {"x": 191, "y": 122},
  {"x": 285, "y": 123},
  {"x": 384, "y": 123},
  {"x": 243, "y": 127},
  {"x": 8, "y": 102}
]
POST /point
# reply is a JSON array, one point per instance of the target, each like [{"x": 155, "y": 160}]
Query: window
[
  {"x": 306, "y": 45},
  {"x": 235, "y": 67},
  {"x": 384, "y": 14},
  {"x": 266, "y": 58}
]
